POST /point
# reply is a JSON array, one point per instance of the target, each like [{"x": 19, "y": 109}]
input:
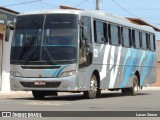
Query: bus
[{"x": 80, "y": 51}]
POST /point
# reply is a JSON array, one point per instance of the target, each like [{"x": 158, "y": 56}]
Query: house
[
  {"x": 6, "y": 16},
  {"x": 158, "y": 63}
]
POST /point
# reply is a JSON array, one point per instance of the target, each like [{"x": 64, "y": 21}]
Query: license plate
[{"x": 39, "y": 83}]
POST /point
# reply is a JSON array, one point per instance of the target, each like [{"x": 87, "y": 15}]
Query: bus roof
[{"x": 97, "y": 14}]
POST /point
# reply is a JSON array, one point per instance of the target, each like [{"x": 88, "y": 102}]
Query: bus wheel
[
  {"x": 38, "y": 95},
  {"x": 134, "y": 89},
  {"x": 92, "y": 93}
]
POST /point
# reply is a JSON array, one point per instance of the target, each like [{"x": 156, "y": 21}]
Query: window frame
[
  {"x": 154, "y": 42},
  {"x": 143, "y": 32},
  {"x": 134, "y": 39},
  {"x": 119, "y": 34},
  {"x": 105, "y": 31},
  {"x": 129, "y": 36}
]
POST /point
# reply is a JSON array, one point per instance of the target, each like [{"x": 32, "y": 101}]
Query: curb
[{"x": 150, "y": 88}]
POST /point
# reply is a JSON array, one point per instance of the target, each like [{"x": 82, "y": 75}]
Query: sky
[{"x": 147, "y": 10}]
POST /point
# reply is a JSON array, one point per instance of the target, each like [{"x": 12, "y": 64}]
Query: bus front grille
[{"x": 47, "y": 85}]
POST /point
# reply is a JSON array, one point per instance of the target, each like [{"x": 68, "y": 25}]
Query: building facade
[
  {"x": 6, "y": 16},
  {"x": 158, "y": 63}
]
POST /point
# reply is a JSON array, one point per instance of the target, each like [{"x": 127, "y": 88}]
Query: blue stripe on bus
[
  {"x": 127, "y": 68},
  {"x": 151, "y": 64},
  {"x": 142, "y": 58},
  {"x": 130, "y": 64},
  {"x": 147, "y": 63},
  {"x": 57, "y": 72},
  {"x": 54, "y": 75},
  {"x": 60, "y": 70}
]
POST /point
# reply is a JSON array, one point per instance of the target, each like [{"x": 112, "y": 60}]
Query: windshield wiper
[
  {"x": 30, "y": 56},
  {"x": 49, "y": 54}
]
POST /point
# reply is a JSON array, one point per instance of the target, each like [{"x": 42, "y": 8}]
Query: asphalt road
[{"x": 147, "y": 100}]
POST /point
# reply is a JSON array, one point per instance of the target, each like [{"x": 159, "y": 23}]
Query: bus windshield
[{"x": 47, "y": 39}]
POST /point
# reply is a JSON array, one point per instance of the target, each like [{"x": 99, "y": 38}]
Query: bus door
[{"x": 85, "y": 48}]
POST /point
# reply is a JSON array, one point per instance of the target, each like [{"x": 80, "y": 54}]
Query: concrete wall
[
  {"x": 158, "y": 75},
  {"x": 158, "y": 63},
  {"x": 158, "y": 49},
  {"x": 6, "y": 16},
  {"x": 5, "y": 60}
]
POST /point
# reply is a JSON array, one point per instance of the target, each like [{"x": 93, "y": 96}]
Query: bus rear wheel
[
  {"x": 133, "y": 90},
  {"x": 94, "y": 90}
]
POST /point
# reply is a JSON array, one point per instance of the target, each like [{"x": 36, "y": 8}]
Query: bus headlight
[
  {"x": 15, "y": 74},
  {"x": 68, "y": 73}
]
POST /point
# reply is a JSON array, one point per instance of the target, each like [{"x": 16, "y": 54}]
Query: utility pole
[{"x": 97, "y": 4}]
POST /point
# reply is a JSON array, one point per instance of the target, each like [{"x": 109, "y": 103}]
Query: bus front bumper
[{"x": 56, "y": 84}]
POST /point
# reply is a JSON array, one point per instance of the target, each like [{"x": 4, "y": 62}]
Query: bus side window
[
  {"x": 130, "y": 37},
  {"x": 114, "y": 34},
  {"x": 109, "y": 33},
  {"x": 126, "y": 37},
  {"x": 133, "y": 39},
  {"x": 136, "y": 39},
  {"x": 105, "y": 29},
  {"x": 86, "y": 33},
  {"x": 152, "y": 42},
  {"x": 148, "y": 41},
  {"x": 100, "y": 31},
  {"x": 144, "y": 41}
]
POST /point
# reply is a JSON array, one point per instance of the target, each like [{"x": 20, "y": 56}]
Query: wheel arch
[{"x": 96, "y": 73}]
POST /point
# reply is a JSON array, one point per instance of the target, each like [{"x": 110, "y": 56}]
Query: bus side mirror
[
  {"x": 7, "y": 34},
  {"x": 9, "y": 27}
]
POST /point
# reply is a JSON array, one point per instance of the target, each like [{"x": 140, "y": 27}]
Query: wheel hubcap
[
  {"x": 93, "y": 87},
  {"x": 135, "y": 86}
]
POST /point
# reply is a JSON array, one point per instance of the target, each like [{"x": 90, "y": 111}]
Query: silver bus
[{"x": 80, "y": 51}]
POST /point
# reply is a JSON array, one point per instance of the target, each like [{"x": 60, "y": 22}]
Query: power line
[
  {"x": 81, "y": 3},
  {"x": 125, "y": 9},
  {"x": 33, "y": 7},
  {"x": 22, "y": 3},
  {"x": 138, "y": 9},
  {"x": 130, "y": 12}
]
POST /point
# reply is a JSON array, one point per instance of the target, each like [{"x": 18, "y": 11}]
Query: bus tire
[
  {"x": 134, "y": 89},
  {"x": 38, "y": 95},
  {"x": 93, "y": 92}
]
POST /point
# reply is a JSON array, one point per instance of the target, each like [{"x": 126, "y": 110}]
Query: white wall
[
  {"x": 5, "y": 64},
  {"x": 0, "y": 63}
]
